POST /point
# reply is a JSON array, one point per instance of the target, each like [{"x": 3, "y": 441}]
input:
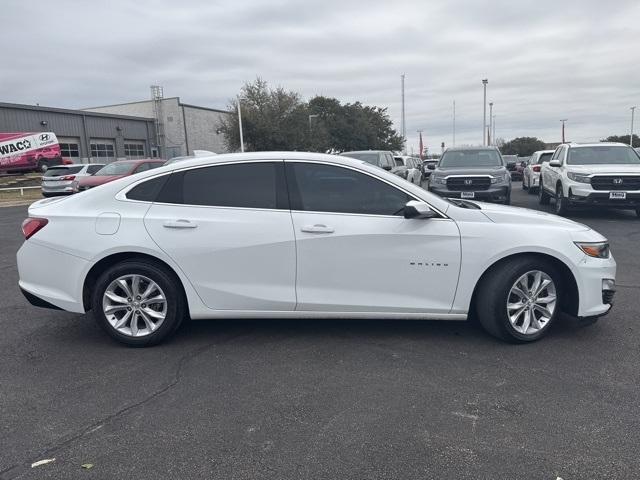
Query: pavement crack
[{"x": 18, "y": 469}]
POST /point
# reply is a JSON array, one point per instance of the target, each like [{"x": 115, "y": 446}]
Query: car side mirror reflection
[
  {"x": 555, "y": 163},
  {"x": 415, "y": 209}
]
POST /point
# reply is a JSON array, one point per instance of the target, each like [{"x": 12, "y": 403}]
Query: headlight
[
  {"x": 594, "y": 249},
  {"x": 578, "y": 177},
  {"x": 438, "y": 179},
  {"x": 501, "y": 178}
]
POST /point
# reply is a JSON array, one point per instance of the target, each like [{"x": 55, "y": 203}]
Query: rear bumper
[{"x": 494, "y": 194}]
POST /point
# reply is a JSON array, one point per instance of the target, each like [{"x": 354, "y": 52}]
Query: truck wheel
[
  {"x": 543, "y": 197},
  {"x": 43, "y": 166},
  {"x": 562, "y": 203},
  {"x": 519, "y": 300}
]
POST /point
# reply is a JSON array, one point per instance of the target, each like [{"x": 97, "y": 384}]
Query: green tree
[
  {"x": 522, "y": 146},
  {"x": 623, "y": 139}
]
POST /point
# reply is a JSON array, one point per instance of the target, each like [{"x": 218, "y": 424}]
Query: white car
[
  {"x": 413, "y": 168},
  {"x": 531, "y": 172},
  {"x": 301, "y": 235},
  {"x": 59, "y": 180},
  {"x": 591, "y": 174}
]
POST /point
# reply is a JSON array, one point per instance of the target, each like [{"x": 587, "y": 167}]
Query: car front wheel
[
  {"x": 138, "y": 303},
  {"x": 519, "y": 300},
  {"x": 562, "y": 203},
  {"x": 543, "y": 197}
]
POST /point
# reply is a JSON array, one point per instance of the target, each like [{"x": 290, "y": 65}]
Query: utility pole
[
  {"x": 484, "y": 112},
  {"x": 493, "y": 134},
  {"x": 633, "y": 111},
  {"x": 563, "y": 121},
  {"x": 492, "y": 140},
  {"x": 240, "y": 125},
  {"x": 403, "y": 126},
  {"x": 454, "y": 123}
]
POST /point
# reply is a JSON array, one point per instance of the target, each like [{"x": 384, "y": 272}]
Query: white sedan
[{"x": 299, "y": 235}]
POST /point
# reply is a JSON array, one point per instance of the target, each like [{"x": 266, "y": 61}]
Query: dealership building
[{"x": 163, "y": 128}]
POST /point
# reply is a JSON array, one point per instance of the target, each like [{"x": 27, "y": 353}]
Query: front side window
[
  {"x": 470, "y": 158},
  {"x": 246, "y": 185},
  {"x": 603, "y": 155},
  {"x": 327, "y": 188}
]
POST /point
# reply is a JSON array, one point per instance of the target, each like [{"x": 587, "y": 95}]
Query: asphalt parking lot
[{"x": 322, "y": 399}]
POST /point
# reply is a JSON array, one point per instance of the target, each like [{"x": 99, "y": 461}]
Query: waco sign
[{"x": 29, "y": 151}]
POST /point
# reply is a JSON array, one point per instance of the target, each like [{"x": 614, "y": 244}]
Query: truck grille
[
  {"x": 615, "y": 182},
  {"x": 468, "y": 183}
]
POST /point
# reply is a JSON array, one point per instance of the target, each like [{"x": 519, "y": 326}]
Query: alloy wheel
[
  {"x": 134, "y": 305},
  {"x": 531, "y": 302}
]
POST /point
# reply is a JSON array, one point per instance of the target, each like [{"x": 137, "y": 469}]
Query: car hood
[
  {"x": 99, "y": 180},
  {"x": 516, "y": 215},
  {"x": 619, "y": 168},
  {"x": 470, "y": 171}
]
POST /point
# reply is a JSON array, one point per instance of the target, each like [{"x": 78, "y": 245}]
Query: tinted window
[
  {"x": 59, "y": 172},
  {"x": 605, "y": 154},
  {"x": 91, "y": 169},
  {"x": 545, "y": 157},
  {"x": 399, "y": 162},
  {"x": 147, "y": 191},
  {"x": 470, "y": 158},
  {"x": 325, "y": 188},
  {"x": 250, "y": 185},
  {"x": 371, "y": 158}
]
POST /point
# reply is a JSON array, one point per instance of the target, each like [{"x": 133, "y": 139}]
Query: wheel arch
[
  {"x": 570, "y": 300},
  {"x": 100, "y": 266}
]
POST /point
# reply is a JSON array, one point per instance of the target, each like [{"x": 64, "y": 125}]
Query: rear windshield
[
  {"x": 59, "y": 172},
  {"x": 371, "y": 158},
  {"x": 116, "y": 168},
  {"x": 471, "y": 158},
  {"x": 545, "y": 157},
  {"x": 399, "y": 162},
  {"x": 605, "y": 154}
]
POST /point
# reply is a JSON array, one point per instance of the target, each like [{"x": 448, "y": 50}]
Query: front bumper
[
  {"x": 595, "y": 279},
  {"x": 493, "y": 194},
  {"x": 579, "y": 195}
]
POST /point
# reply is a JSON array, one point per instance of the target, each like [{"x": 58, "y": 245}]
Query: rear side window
[
  {"x": 326, "y": 188},
  {"x": 147, "y": 191},
  {"x": 545, "y": 157},
  {"x": 246, "y": 185},
  {"x": 59, "y": 172}
]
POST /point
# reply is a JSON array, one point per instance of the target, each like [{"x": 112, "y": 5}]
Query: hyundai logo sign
[
  {"x": 44, "y": 137},
  {"x": 617, "y": 181},
  {"x": 468, "y": 182}
]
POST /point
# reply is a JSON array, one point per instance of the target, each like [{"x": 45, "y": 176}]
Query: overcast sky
[{"x": 545, "y": 60}]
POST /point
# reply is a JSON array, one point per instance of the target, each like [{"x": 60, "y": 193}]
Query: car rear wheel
[
  {"x": 43, "y": 165},
  {"x": 138, "y": 303},
  {"x": 519, "y": 300},
  {"x": 524, "y": 185},
  {"x": 543, "y": 197}
]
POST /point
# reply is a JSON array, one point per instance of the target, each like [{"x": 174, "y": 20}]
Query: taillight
[
  {"x": 32, "y": 225},
  {"x": 536, "y": 168},
  {"x": 68, "y": 177}
]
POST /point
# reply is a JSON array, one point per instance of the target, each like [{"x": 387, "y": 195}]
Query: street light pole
[
  {"x": 454, "y": 123},
  {"x": 484, "y": 112},
  {"x": 240, "y": 125},
  {"x": 493, "y": 134},
  {"x": 633, "y": 111},
  {"x": 490, "y": 136},
  {"x": 563, "y": 121}
]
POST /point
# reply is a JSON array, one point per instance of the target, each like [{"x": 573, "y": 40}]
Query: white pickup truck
[{"x": 599, "y": 174}]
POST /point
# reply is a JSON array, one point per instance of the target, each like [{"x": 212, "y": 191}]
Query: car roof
[
  {"x": 598, "y": 144},
  {"x": 365, "y": 151},
  {"x": 140, "y": 160},
  {"x": 470, "y": 147}
]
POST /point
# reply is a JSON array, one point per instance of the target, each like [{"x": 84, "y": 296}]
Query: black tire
[
  {"x": 493, "y": 293},
  {"x": 167, "y": 281},
  {"x": 43, "y": 166},
  {"x": 524, "y": 187},
  {"x": 638, "y": 212},
  {"x": 507, "y": 200},
  {"x": 543, "y": 197},
  {"x": 562, "y": 203}
]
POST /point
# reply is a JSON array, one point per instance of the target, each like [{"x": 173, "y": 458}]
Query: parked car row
[
  {"x": 410, "y": 168},
  {"x": 69, "y": 179}
]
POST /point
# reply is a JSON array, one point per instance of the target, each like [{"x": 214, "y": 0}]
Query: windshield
[
  {"x": 116, "y": 168},
  {"x": 471, "y": 158},
  {"x": 605, "y": 154},
  {"x": 371, "y": 158}
]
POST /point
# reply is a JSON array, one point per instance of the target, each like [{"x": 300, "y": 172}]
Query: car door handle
[
  {"x": 317, "y": 228},
  {"x": 181, "y": 223}
]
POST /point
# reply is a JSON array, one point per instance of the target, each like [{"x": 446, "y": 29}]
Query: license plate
[
  {"x": 467, "y": 194},
  {"x": 618, "y": 195}
]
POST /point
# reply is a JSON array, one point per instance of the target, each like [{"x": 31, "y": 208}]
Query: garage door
[
  {"x": 103, "y": 150},
  {"x": 70, "y": 148},
  {"x": 134, "y": 149}
]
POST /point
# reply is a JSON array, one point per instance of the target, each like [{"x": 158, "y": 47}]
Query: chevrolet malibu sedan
[{"x": 295, "y": 235}]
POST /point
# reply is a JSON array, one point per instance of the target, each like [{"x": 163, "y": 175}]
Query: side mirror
[
  {"x": 415, "y": 209},
  {"x": 555, "y": 163},
  {"x": 387, "y": 167},
  {"x": 431, "y": 166},
  {"x": 511, "y": 166}
]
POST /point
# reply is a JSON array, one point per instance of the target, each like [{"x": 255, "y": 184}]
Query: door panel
[
  {"x": 236, "y": 258},
  {"x": 364, "y": 263}
]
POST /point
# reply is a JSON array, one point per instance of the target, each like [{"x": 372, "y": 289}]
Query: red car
[{"x": 114, "y": 171}]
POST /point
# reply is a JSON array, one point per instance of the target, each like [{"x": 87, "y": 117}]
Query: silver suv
[{"x": 59, "y": 180}]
